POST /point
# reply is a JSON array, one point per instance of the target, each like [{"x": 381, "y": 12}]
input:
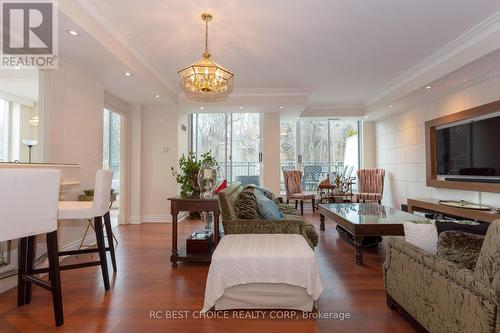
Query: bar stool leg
[
  {"x": 111, "y": 244},
  {"x": 102, "y": 250},
  {"x": 21, "y": 283},
  {"x": 55, "y": 277},
  {"x": 30, "y": 258}
]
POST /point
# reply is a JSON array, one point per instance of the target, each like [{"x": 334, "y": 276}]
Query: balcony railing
[{"x": 249, "y": 172}]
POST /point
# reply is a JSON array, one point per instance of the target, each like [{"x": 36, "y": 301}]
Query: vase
[{"x": 207, "y": 180}]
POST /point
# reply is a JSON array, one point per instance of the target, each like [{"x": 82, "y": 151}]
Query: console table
[
  {"x": 192, "y": 204},
  {"x": 433, "y": 205}
]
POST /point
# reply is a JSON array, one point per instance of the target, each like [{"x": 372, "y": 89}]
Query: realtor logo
[{"x": 29, "y": 34}]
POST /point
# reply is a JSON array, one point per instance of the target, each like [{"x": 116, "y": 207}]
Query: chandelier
[{"x": 205, "y": 80}]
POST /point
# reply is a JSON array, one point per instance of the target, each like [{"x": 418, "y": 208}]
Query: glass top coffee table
[{"x": 366, "y": 219}]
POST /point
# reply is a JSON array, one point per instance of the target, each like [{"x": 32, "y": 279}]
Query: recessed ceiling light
[
  {"x": 128, "y": 74},
  {"x": 389, "y": 106},
  {"x": 428, "y": 87},
  {"x": 282, "y": 107},
  {"x": 157, "y": 96},
  {"x": 201, "y": 107},
  {"x": 72, "y": 32},
  {"x": 241, "y": 108},
  {"x": 366, "y": 117},
  {"x": 17, "y": 67}
]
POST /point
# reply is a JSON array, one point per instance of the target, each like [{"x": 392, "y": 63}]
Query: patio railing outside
[{"x": 249, "y": 172}]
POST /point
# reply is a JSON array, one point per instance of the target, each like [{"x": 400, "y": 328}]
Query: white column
[
  {"x": 368, "y": 154},
  {"x": 271, "y": 151}
]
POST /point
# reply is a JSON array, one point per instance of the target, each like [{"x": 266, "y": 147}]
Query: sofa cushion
[
  {"x": 422, "y": 235},
  {"x": 246, "y": 205},
  {"x": 267, "y": 209},
  {"x": 477, "y": 229},
  {"x": 461, "y": 248}
]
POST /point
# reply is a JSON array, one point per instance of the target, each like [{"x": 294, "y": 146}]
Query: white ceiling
[
  {"x": 341, "y": 52},
  {"x": 21, "y": 83}
]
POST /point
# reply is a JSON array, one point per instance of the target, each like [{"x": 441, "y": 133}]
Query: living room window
[
  {"x": 234, "y": 140},
  {"x": 319, "y": 147}
]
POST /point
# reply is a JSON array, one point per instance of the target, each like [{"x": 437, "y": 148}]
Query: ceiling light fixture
[
  {"x": 241, "y": 108},
  {"x": 157, "y": 96},
  {"x": 201, "y": 107},
  {"x": 72, "y": 32},
  {"x": 389, "y": 106},
  {"x": 428, "y": 87},
  {"x": 282, "y": 107},
  {"x": 127, "y": 74},
  {"x": 205, "y": 80}
]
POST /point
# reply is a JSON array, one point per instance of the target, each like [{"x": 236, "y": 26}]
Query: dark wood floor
[{"x": 146, "y": 282}]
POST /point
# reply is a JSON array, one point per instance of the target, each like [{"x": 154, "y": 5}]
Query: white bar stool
[
  {"x": 98, "y": 209},
  {"x": 28, "y": 207}
]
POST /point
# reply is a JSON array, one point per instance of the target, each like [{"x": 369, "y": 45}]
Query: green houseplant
[{"x": 189, "y": 166}]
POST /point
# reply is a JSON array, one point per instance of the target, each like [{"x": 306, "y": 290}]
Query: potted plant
[{"x": 189, "y": 166}]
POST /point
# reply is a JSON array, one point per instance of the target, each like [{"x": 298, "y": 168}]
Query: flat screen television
[{"x": 469, "y": 149}]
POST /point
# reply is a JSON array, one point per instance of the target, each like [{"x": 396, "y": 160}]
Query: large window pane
[
  {"x": 210, "y": 135},
  {"x": 314, "y": 150},
  {"x": 288, "y": 152},
  {"x": 344, "y": 146},
  {"x": 112, "y": 148},
  {"x": 245, "y": 147}
]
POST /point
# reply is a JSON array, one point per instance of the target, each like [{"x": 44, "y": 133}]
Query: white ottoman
[{"x": 263, "y": 271}]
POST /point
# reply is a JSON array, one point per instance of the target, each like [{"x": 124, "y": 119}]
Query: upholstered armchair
[
  {"x": 440, "y": 295},
  {"x": 294, "y": 191},
  {"x": 371, "y": 185}
]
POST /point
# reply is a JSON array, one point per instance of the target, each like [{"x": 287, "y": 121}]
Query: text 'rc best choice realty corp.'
[{"x": 246, "y": 314}]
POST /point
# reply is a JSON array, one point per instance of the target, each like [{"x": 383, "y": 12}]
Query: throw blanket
[{"x": 262, "y": 258}]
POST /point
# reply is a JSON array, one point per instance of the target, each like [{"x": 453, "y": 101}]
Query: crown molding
[
  {"x": 480, "y": 32},
  {"x": 101, "y": 14}
]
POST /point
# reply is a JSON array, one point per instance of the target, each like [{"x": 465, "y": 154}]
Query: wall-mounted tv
[{"x": 469, "y": 149}]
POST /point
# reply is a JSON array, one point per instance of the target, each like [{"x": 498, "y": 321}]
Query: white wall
[
  {"x": 161, "y": 134},
  {"x": 400, "y": 146},
  {"x": 270, "y": 147}
]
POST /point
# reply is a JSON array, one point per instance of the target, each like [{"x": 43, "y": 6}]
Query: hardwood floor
[{"x": 146, "y": 282}]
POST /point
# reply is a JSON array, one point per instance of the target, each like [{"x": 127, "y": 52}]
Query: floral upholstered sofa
[
  {"x": 291, "y": 223},
  {"x": 441, "y": 296}
]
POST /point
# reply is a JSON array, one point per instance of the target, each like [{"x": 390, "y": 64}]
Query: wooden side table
[{"x": 192, "y": 204}]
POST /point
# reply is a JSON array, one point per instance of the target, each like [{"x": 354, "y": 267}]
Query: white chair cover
[{"x": 28, "y": 202}]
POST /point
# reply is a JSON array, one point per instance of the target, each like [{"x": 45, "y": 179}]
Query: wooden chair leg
[
  {"x": 30, "y": 258},
  {"x": 55, "y": 277},
  {"x": 21, "y": 283},
  {"x": 102, "y": 250},
  {"x": 296, "y": 203},
  {"x": 287, "y": 200},
  {"x": 301, "y": 207},
  {"x": 313, "y": 201},
  {"x": 109, "y": 235}
]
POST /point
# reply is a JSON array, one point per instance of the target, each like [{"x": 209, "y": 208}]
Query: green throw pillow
[{"x": 460, "y": 247}]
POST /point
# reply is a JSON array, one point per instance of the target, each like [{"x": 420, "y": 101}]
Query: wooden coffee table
[{"x": 366, "y": 219}]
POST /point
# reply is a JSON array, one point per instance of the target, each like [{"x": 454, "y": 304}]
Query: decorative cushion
[
  {"x": 267, "y": 192},
  {"x": 288, "y": 209},
  {"x": 221, "y": 186},
  {"x": 267, "y": 208},
  {"x": 422, "y": 235},
  {"x": 246, "y": 205},
  {"x": 460, "y": 247},
  {"x": 302, "y": 196},
  {"x": 369, "y": 196},
  {"x": 479, "y": 229}
]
